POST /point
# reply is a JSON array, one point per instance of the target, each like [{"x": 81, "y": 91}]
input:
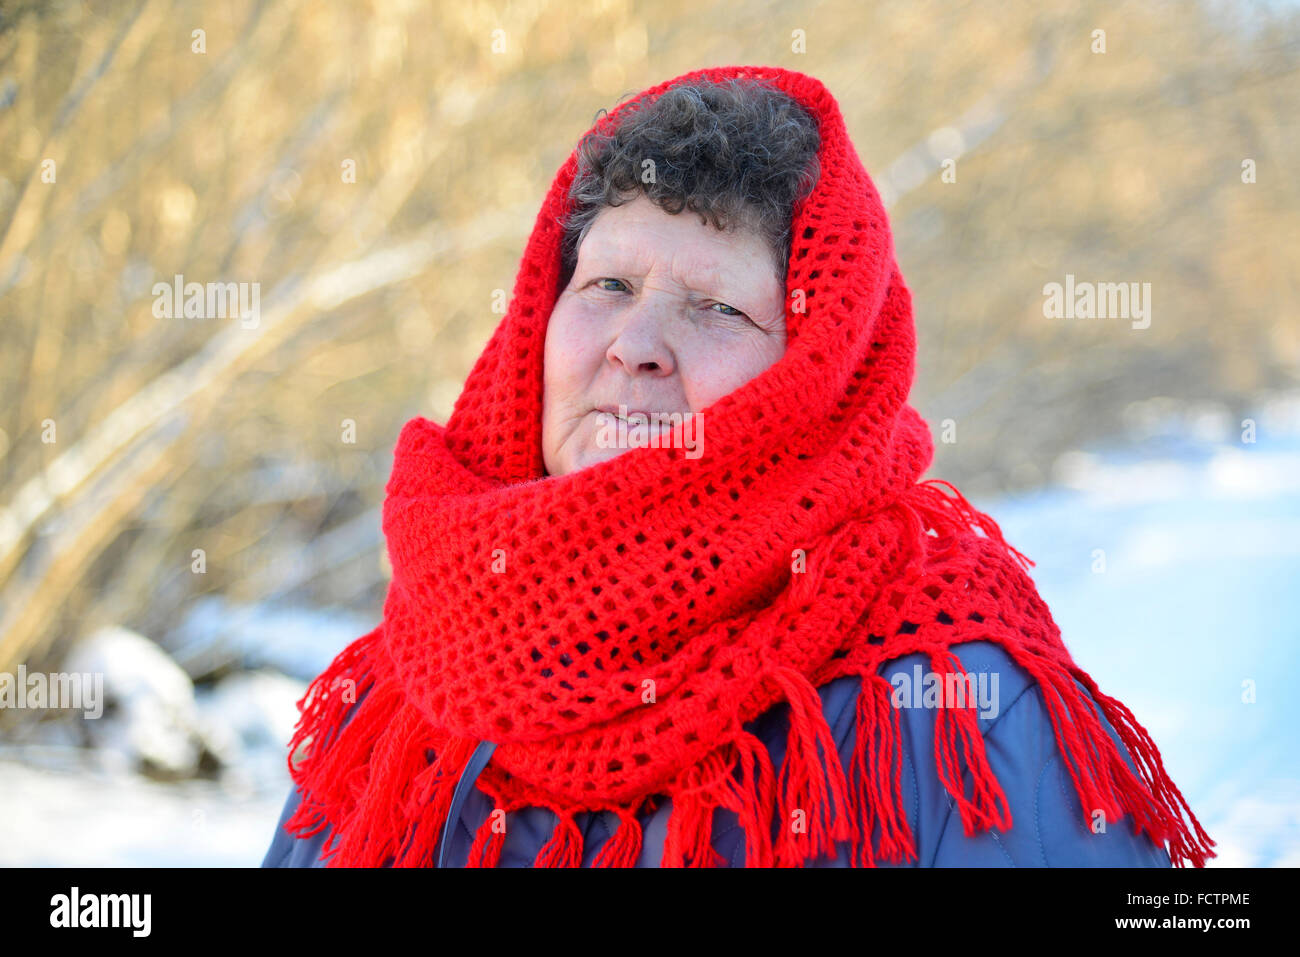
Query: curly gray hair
[{"x": 739, "y": 153}]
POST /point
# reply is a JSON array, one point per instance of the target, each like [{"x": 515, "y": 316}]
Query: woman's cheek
[
  {"x": 581, "y": 346},
  {"x": 562, "y": 341},
  {"x": 714, "y": 363}
]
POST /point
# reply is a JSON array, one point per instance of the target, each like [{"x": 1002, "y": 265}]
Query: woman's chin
[{"x": 593, "y": 455}]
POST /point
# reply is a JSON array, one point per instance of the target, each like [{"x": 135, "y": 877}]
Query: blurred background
[{"x": 191, "y": 506}]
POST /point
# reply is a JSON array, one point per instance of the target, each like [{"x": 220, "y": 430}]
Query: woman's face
[{"x": 664, "y": 313}]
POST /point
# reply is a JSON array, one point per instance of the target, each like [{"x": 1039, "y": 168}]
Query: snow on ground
[{"x": 86, "y": 816}]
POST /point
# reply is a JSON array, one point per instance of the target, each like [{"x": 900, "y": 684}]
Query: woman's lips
[{"x": 614, "y": 411}]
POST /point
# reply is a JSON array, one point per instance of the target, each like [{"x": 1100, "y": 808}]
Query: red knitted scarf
[{"x": 613, "y": 629}]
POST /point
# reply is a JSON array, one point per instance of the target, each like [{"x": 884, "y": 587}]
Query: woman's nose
[{"x": 640, "y": 346}]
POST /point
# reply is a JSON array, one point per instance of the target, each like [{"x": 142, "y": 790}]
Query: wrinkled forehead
[{"x": 637, "y": 238}]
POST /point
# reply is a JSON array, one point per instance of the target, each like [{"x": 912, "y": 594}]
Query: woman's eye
[{"x": 620, "y": 286}]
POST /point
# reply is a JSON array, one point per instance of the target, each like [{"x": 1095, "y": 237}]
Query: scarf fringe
[
  {"x": 564, "y": 849},
  {"x": 956, "y": 515},
  {"x": 1102, "y": 778},
  {"x": 875, "y": 774},
  {"x": 753, "y": 799},
  {"x": 698, "y": 792},
  {"x": 623, "y": 849},
  {"x": 958, "y": 742},
  {"x": 835, "y": 807},
  {"x": 429, "y": 800},
  {"x": 485, "y": 850},
  {"x": 327, "y": 699},
  {"x": 1104, "y": 781},
  {"x": 371, "y": 781},
  {"x": 813, "y": 793},
  {"x": 332, "y": 769}
]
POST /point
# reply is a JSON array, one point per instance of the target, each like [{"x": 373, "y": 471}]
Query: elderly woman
[{"x": 617, "y": 637}]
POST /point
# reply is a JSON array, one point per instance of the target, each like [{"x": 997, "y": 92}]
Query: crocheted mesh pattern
[{"x": 537, "y": 612}]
